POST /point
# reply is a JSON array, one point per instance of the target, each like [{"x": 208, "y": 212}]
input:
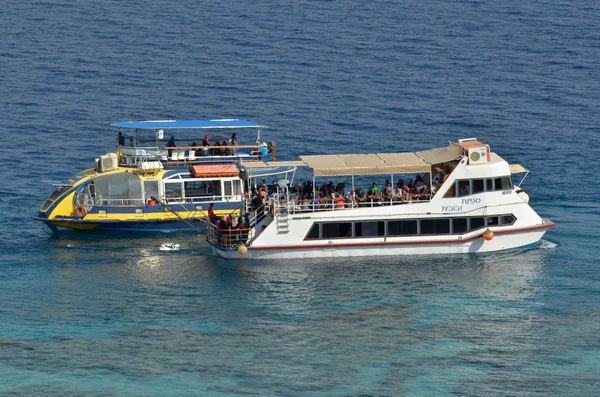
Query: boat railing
[
  {"x": 191, "y": 155},
  {"x": 227, "y": 237},
  {"x": 119, "y": 202},
  {"x": 213, "y": 198},
  {"x": 302, "y": 206}
]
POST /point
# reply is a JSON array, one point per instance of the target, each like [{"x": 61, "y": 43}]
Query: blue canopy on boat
[{"x": 172, "y": 124}]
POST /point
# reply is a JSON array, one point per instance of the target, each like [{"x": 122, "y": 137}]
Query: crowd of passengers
[
  {"x": 224, "y": 148},
  {"x": 330, "y": 195}
]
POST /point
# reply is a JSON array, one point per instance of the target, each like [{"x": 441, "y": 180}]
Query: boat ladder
[{"x": 282, "y": 219}]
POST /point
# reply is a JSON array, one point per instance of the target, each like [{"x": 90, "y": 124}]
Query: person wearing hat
[{"x": 263, "y": 151}]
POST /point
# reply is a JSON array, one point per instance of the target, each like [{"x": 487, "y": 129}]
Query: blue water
[{"x": 104, "y": 315}]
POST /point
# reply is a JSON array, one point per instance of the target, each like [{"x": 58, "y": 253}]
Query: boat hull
[
  {"x": 504, "y": 240},
  {"x": 126, "y": 226}
]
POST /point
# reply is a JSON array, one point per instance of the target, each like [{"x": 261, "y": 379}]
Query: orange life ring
[{"x": 80, "y": 211}]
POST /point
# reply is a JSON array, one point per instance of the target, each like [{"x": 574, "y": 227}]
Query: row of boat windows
[
  {"x": 202, "y": 188},
  {"x": 467, "y": 187},
  {"x": 413, "y": 227},
  {"x": 127, "y": 187}
]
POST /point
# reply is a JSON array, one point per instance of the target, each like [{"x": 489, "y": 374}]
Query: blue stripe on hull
[
  {"x": 175, "y": 226},
  {"x": 164, "y": 227}
]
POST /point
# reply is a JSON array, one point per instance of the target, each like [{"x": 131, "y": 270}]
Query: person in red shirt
[{"x": 211, "y": 213}]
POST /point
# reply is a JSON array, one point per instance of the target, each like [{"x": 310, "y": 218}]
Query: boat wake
[{"x": 545, "y": 244}]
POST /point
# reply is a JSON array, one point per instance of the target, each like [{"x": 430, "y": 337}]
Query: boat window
[
  {"x": 237, "y": 188},
  {"x": 435, "y": 226},
  {"x": 124, "y": 188},
  {"x": 459, "y": 225},
  {"x": 489, "y": 185},
  {"x": 313, "y": 233},
  {"x": 58, "y": 192},
  {"x": 477, "y": 185},
  {"x": 216, "y": 188},
  {"x": 102, "y": 194},
  {"x": 507, "y": 219},
  {"x": 173, "y": 191},
  {"x": 337, "y": 230},
  {"x": 151, "y": 189},
  {"x": 463, "y": 188},
  {"x": 503, "y": 183},
  {"x": 227, "y": 188},
  {"x": 451, "y": 191},
  {"x": 477, "y": 223},
  {"x": 369, "y": 229},
  {"x": 402, "y": 228},
  {"x": 492, "y": 221}
]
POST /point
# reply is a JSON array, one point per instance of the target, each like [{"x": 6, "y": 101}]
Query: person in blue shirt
[{"x": 263, "y": 151}]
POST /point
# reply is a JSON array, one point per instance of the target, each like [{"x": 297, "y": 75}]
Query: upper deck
[{"x": 173, "y": 143}]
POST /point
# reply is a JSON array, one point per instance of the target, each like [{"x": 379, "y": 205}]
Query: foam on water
[{"x": 545, "y": 244}]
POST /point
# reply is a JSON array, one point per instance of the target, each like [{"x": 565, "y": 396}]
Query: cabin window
[
  {"x": 463, "y": 188},
  {"x": 459, "y": 225},
  {"x": 215, "y": 189},
  {"x": 503, "y": 183},
  {"x": 237, "y": 188},
  {"x": 489, "y": 185},
  {"x": 313, "y": 233},
  {"x": 507, "y": 219},
  {"x": 435, "y": 226},
  {"x": 102, "y": 192},
  {"x": 337, "y": 230},
  {"x": 173, "y": 191},
  {"x": 195, "y": 189},
  {"x": 369, "y": 229},
  {"x": 478, "y": 186},
  {"x": 402, "y": 228},
  {"x": 477, "y": 223},
  {"x": 227, "y": 188},
  {"x": 492, "y": 221},
  {"x": 151, "y": 189},
  {"x": 56, "y": 194},
  {"x": 125, "y": 187},
  {"x": 451, "y": 191}
]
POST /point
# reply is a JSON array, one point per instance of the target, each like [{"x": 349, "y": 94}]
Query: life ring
[
  {"x": 80, "y": 211},
  {"x": 272, "y": 211}
]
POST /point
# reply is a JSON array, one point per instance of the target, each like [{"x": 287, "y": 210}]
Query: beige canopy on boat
[
  {"x": 263, "y": 164},
  {"x": 517, "y": 168},
  {"x": 381, "y": 163}
]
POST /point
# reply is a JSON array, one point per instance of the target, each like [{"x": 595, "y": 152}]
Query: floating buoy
[
  {"x": 169, "y": 247},
  {"x": 488, "y": 235},
  {"x": 242, "y": 249}
]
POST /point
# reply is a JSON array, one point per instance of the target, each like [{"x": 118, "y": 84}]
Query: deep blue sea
[{"x": 112, "y": 315}]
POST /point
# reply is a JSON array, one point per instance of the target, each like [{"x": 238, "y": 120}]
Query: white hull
[{"x": 389, "y": 248}]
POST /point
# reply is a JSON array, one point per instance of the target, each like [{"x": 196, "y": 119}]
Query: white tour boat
[{"x": 474, "y": 208}]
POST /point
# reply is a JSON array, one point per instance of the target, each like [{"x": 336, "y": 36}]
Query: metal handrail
[
  {"x": 294, "y": 206},
  {"x": 227, "y": 238}
]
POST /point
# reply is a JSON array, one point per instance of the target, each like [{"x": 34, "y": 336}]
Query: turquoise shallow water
[{"x": 112, "y": 315}]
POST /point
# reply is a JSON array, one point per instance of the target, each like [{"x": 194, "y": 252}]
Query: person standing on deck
[
  {"x": 211, "y": 213},
  {"x": 170, "y": 144},
  {"x": 233, "y": 142}
]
